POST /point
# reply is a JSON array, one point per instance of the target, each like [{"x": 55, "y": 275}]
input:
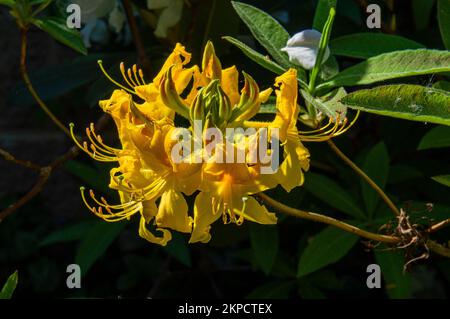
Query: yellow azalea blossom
[{"x": 152, "y": 184}]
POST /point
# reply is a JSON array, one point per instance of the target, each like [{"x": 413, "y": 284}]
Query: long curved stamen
[
  {"x": 141, "y": 75},
  {"x": 100, "y": 63},
  {"x": 99, "y": 140},
  {"x": 95, "y": 154},
  {"x": 330, "y": 121},
  {"x": 338, "y": 128},
  {"x": 130, "y": 77},
  {"x": 124, "y": 75},
  {"x": 135, "y": 71}
]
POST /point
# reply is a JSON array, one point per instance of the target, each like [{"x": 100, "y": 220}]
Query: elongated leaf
[
  {"x": 57, "y": 28},
  {"x": 69, "y": 233},
  {"x": 376, "y": 166},
  {"x": 367, "y": 45},
  {"x": 9, "y": 3},
  {"x": 442, "y": 179},
  {"x": 330, "y": 192},
  {"x": 266, "y": 30},
  {"x": 95, "y": 243},
  {"x": 397, "y": 284},
  {"x": 327, "y": 247},
  {"x": 321, "y": 14},
  {"x": 405, "y": 101},
  {"x": 392, "y": 65},
  {"x": 264, "y": 240},
  {"x": 443, "y": 9},
  {"x": 10, "y": 286},
  {"x": 437, "y": 137},
  {"x": 256, "y": 56},
  {"x": 89, "y": 175}
]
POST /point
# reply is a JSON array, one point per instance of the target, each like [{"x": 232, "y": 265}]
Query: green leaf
[
  {"x": 272, "y": 290},
  {"x": 443, "y": 10},
  {"x": 367, "y": 45},
  {"x": 376, "y": 166},
  {"x": 69, "y": 233},
  {"x": 264, "y": 240},
  {"x": 10, "y": 286},
  {"x": 330, "y": 192},
  {"x": 328, "y": 104},
  {"x": 266, "y": 30},
  {"x": 321, "y": 14},
  {"x": 422, "y": 12},
  {"x": 95, "y": 243},
  {"x": 442, "y": 85},
  {"x": 405, "y": 101},
  {"x": 9, "y": 3},
  {"x": 326, "y": 248},
  {"x": 88, "y": 175},
  {"x": 178, "y": 248},
  {"x": 391, "y": 65},
  {"x": 257, "y": 57},
  {"x": 58, "y": 29},
  {"x": 398, "y": 284},
  {"x": 443, "y": 179},
  {"x": 437, "y": 137}
]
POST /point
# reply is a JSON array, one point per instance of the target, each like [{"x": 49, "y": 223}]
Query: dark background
[{"x": 228, "y": 266}]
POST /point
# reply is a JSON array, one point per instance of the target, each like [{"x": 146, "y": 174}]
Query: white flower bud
[{"x": 303, "y": 47}]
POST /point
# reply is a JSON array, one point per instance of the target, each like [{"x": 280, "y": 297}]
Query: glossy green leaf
[
  {"x": 326, "y": 248},
  {"x": 179, "y": 249},
  {"x": 405, "y": 101},
  {"x": 321, "y": 13},
  {"x": 391, "y": 65},
  {"x": 376, "y": 166},
  {"x": 96, "y": 242},
  {"x": 367, "y": 45},
  {"x": 397, "y": 283},
  {"x": 10, "y": 285},
  {"x": 437, "y": 137},
  {"x": 257, "y": 57},
  {"x": 70, "y": 233},
  {"x": 442, "y": 85},
  {"x": 442, "y": 179},
  {"x": 9, "y": 3},
  {"x": 57, "y": 28},
  {"x": 333, "y": 194},
  {"x": 443, "y": 9},
  {"x": 264, "y": 240},
  {"x": 266, "y": 31}
]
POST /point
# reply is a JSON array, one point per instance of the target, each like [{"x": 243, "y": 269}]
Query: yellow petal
[
  {"x": 255, "y": 212},
  {"x": 178, "y": 57},
  {"x": 146, "y": 234},
  {"x": 264, "y": 95},
  {"x": 296, "y": 159},
  {"x": 173, "y": 212},
  {"x": 211, "y": 66},
  {"x": 229, "y": 83},
  {"x": 203, "y": 218}
]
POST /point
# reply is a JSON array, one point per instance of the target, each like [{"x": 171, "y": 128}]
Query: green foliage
[
  {"x": 10, "y": 285},
  {"x": 437, "y": 137},
  {"x": 405, "y": 101},
  {"x": 264, "y": 240},
  {"x": 442, "y": 179},
  {"x": 321, "y": 14},
  {"x": 397, "y": 282},
  {"x": 367, "y": 45},
  {"x": 392, "y": 65},
  {"x": 57, "y": 28},
  {"x": 443, "y": 9},
  {"x": 326, "y": 248},
  {"x": 376, "y": 166}
]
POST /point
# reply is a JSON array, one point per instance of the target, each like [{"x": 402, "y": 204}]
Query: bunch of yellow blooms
[{"x": 154, "y": 185}]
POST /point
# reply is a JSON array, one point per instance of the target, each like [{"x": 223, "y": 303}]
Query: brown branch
[
  {"x": 142, "y": 56},
  {"x": 28, "y": 164},
  {"x": 438, "y": 226},
  {"x": 438, "y": 248}
]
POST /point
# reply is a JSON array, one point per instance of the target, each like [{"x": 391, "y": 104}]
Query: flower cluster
[{"x": 155, "y": 186}]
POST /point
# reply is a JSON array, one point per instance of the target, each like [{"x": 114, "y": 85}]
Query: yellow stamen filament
[
  {"x": 109, "y": 154},
  {"x": 141, "y": 75},
  {"x": 135, "y": 71},
  {"x": 322, "y": 134},
  {"x": 130, "y": 77},
  {"x": 100, "y": 63}
]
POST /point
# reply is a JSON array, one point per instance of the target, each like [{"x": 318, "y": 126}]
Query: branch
[
  {"x": 364, "y": 176},
  {"x": 26, "y": 79},
  {"x": 326, "y": 220},
  {"x": 438, "y": 226},
  {"x": 10, "y": 158},
  {"x": 142, "y": 57}
]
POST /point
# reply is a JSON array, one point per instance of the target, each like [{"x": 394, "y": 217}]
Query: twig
[
  {"x": 26, "y": 79},
  {"x": 326, "y": 220},
  {"x": 438, "y": 248},
  {"x": 143, "y": 58},
  {"x": 10, "y": 158},
  {"x": 364, "y": 176},
  {"x": 44, "y": 175},
  {"x": 438, "y": 226}
]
